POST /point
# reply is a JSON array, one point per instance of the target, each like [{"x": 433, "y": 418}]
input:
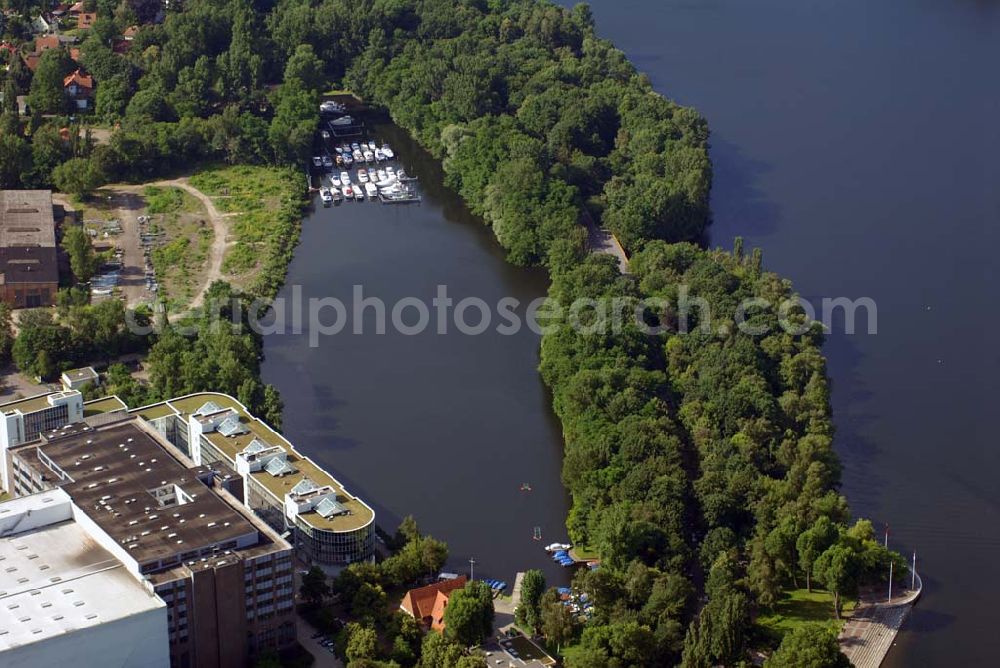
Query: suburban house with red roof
[
  {"x": 427, "y": 604},
  {"x": 42, "y": 43},
  {"x": 79, "y": 88},
  {"x": 86, "y": 20}
]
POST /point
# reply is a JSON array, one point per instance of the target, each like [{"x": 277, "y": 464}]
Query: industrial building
[
  {"x": 326, "y": 524},
  {"x": 226, "y": 578},
  {"x": 29, "y": 265},
  {"x": 65, "y": 598}
]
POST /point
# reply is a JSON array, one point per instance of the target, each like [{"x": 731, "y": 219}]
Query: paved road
[
  {"x": 600, "y": 240},
  {"x": 14, "y": 384},
  {"x": 324, "y": 659}
]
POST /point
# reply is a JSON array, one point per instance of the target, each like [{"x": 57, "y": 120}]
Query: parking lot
[{"x": 318, "y": 645}]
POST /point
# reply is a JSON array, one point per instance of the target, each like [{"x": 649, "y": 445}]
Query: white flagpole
[{"x": 890, "y": 582}]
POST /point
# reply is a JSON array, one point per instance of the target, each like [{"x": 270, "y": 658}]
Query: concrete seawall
[{"x": 867, "y": 637}]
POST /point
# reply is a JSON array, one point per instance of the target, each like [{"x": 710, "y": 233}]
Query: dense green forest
[{"x": 700, "y": 463}]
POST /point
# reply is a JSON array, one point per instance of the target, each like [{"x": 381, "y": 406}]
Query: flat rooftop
[
  {"x": 56, "y": 579},
  {"x": 105, "y": 405},
  {"x": 84, "y": 373},
  {"x": 118, "y": 472},
  {"x": 28, "y": 404},
  {"x": 26, "y": 219},
  {"x": 359, "y": 513}
]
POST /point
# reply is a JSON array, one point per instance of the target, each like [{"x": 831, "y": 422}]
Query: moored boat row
[{"x": 378, "y": 179}]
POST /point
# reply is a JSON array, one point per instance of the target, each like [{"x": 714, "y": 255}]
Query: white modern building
[
  {"x": 77, "y": 379},
  {"x": 66, "y": 599},
  {"x": 23, "y": 420}
]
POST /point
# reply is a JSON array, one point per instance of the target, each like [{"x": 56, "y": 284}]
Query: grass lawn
[
  {"x": 799, "y": 607},
  {"x": 181, "y": 258},
  {"x": 340, "y": 91},
  {"x": 267, "y": 204},
  {"x": 584, "y": 553},
  {"x": 96, "y": 207}
]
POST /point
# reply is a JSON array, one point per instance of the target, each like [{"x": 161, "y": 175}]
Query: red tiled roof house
[
  {"x": 42, "y": 43},
  {"x": 79, "y": 88},
  {"x": 427, "y": 604},
  {"x": 86, "y": 20}
]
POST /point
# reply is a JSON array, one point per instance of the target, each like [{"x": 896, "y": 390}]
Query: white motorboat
[
  {"x": 325, "y": 195},
  {"x": 379, "y": 155},
  {"x": 369, "y": 156},
  {"x": 327, "y": 161},
  {"x": 335, "y": 181},
  {"x": 363, "y": 175},
  {"x": 388, "y": 151},
  {"x": 338, "y": 150},
  {"x": 345, "y": 178},
  {"x": 381, "y": 175},
  {"x": 347, "y": 159},
  {"x": 343, "y": 121},
  {"x": 371, "y": 190},
  {"x": 358, "y": 155},
  {"x": 337, "y": 195},
  {"x": 317, "y": 161},
  {"x": 555, "y": 547},
  {"x": 359, "y": 193}
]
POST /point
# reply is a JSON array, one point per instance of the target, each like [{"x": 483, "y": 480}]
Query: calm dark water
[
  {"x": 443, "y": 427},
  {"x": 857, "y": 143}
]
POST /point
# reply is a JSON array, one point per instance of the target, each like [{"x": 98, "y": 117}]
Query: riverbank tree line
[{"x": 700, "y": 463}]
